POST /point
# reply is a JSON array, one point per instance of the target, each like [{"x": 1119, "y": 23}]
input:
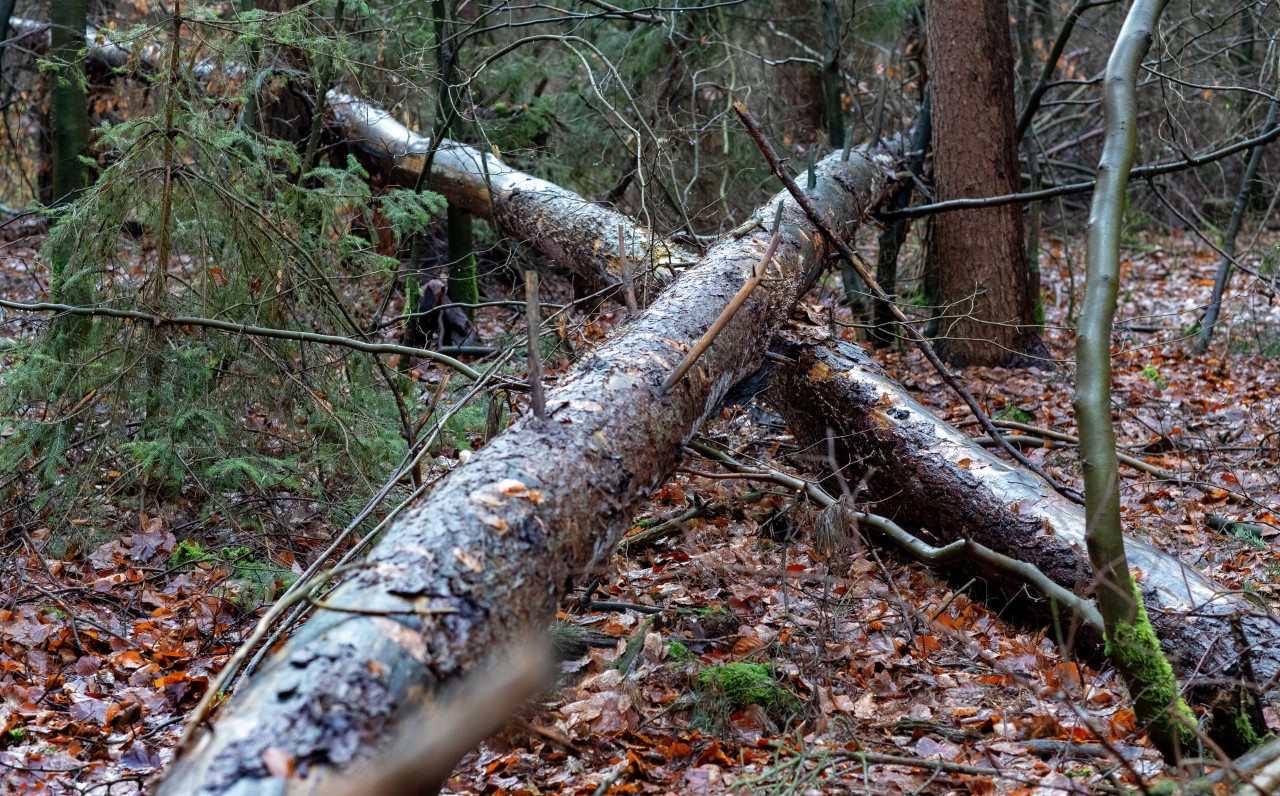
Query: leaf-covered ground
[{"x": 752, "y": 664}]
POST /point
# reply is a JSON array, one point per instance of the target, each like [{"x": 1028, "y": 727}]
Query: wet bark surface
[
  {"x": 568, "y": 228},
  {"x": 494, "y": 548},
  {"x": 929, "y": 478}
]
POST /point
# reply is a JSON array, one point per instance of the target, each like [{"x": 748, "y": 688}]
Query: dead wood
[
  {"x": 930, "y": 478},
  {"x": 496, "y": 545},
  {"x": 576, "y": 233}
]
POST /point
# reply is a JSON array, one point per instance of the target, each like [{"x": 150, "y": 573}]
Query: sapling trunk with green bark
[
  {"x": 1131, "y": 643},
  {"x": 69, "y": 122},
  {"x": 70, "y": 100},
  {"x": 461, "y": 247}
]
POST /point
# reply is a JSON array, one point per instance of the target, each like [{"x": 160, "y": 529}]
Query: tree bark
[
  {"x": 982, "y": 255},
  {"x": 1223, "y": 274},
  {"x": 558, "y": 222},
  {"x": 461, "y": 247},
  {"x": 493, "y": 549},
  {"x": 927, "y": 476},
  {"x": 69, "y": 112}
]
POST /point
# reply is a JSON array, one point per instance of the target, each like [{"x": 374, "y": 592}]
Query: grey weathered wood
[
  {"x": 575, "y": 232},
  {"x": 496, "y": 545},
  {"x": 925, "y": 475}
]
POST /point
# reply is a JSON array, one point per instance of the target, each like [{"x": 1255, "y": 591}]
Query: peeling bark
[
  {"x": 925, "y": 475},
  {"x": 568, "y": 228},
  {"x": 494, "y": 548}
]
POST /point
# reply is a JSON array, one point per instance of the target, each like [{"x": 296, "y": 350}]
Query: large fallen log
[
  {"x": 576, "y": 233},
  {"x": 929, "y": 477},
  {"x": 494, "y": 548}
]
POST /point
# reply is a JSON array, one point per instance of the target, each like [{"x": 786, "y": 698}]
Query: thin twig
[
  {"x": 958, "y": 550},
  {"x": 1124, "y": 458},
  {"x": 1262, "y": 280},
  {"x": 412, "y": 460},
  {"x": 624, "y": 266},
  {"x": 1141, "y": 172},
  {"x": 740, "y": 298},
  {"x": 201, "y": 712},
  {"x": 244, "y": 328}
]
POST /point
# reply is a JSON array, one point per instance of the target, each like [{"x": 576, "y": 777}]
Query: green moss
[
  {"x": 678, "y": 652},
  {"x": 187, "y": 552},
  {"x": 251, "y": 581},
  {"x": 748, "y": 684},
  {"x": 1011, "y": 412},
  {"x": 1245, "y": 731},
  {"x": 1135, "y": 650}
]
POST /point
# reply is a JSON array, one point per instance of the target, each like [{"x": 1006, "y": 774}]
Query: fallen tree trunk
[
  {"x": 571, "y": 230},
  {"x": 494, "y": 548},
  {"x": 924, "y": 474}
]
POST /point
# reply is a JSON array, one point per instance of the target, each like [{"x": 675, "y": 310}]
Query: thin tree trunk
[
  {"x": 1131, "y": 643},
  {"x": 6, "y": 11},
  {"x": 929, "y": 477},
  {"x": 69, "y": 114},
  {"x": 982, "y": 254},
  {"x": 832, "y": 79},
  {"x": 495, "y": 546},
  {"x": 1223, "y": 273},
  {"x": 461, "y": 246},
  {"x": 884, "y": 327}
]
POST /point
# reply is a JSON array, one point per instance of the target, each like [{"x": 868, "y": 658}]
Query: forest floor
[{"x": 754, "y": 665}]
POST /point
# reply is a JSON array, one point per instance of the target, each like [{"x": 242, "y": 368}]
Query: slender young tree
[
  {"x": 1236, "y": 723},
  {"x": 985, "y": 280},
  {"x": 1232, "y": 232},
  {"x": 69, "y": 114},
  {"x": 461, "y": 247},
  {"x": 832, "y": 81},
  {"x": 1131, "y": 643}
]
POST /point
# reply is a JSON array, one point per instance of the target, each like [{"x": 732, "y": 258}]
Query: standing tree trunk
[
  {"x": 982, "y": 256},
  {"x": 884, "y": 329},
  {"x": 69, "y": 142},
  {"x": 1233, "y": 230},
  {"x": 832, "y": 81},
  {"x": 461, "y": 247},
  {"x": 69, "y": 115}
]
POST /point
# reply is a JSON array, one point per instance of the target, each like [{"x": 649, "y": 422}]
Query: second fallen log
[
  {"x": 925, "y": 475},
  {"x": 575, "y": 232}
]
